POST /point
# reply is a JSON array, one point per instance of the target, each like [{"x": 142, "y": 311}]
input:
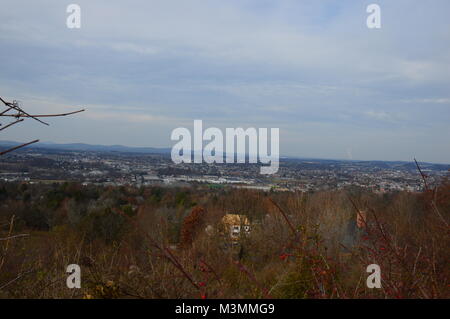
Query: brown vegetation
[{"x": 151, "y": 243}]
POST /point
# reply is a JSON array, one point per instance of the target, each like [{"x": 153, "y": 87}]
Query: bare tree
[{"x": 13, "y": 110}]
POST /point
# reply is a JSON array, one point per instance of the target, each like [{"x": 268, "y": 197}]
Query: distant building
[{"x": 235, "y": 225}]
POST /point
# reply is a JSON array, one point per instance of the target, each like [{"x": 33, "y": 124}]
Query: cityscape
[
  {"x": 116, "y": 168},
  {"x": 224, "y": 157}
]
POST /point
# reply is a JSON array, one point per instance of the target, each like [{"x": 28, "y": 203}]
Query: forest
[{"x": 171, "y": 242}]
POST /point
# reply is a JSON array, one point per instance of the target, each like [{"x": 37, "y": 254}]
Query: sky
[{"x": 312, "y": 68}]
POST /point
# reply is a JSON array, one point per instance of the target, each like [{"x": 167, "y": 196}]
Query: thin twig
[
  {"x": 15, "y": 236},
  {"x": 17, "y": 278},
  {"x": 424, "y": 177},
  {"x": 11, "y": 124},
  {"x": 43, "y": 115},
  {"x": 17, "y": 147},
  {"x": 284, "y": 215},
  {"x": 166, "y": 252},
  {"x": 252, "y": 277}
]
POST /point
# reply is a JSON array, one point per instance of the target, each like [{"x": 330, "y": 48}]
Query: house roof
[{"x": 235, "y": 219}]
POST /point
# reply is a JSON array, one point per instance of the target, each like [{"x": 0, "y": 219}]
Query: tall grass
[{"x": 152, "y": 243}]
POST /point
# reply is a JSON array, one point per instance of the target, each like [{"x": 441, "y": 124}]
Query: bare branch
[
  {"x": 44, "y": 115},
  {"x": 21, "y": 112},
  {"x": 15, "y": 236},
  {"x": 4, "y": 102},
  {"x": 15, "y": 279},
  {"x": 284, "y": 216},
  {"x": 11, "y": 124},
  {"x": 8, "y": 109},
  {"x": 17, "y": 147},
  {"x": 424, "y": 177}
]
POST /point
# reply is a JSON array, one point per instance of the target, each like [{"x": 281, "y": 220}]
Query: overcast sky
[{"x": 312, "y": 68}]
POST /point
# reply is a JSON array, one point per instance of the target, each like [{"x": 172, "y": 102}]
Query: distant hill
[
  {"x": 153, "y": 150},
  {"x": 88, "y": 147}
]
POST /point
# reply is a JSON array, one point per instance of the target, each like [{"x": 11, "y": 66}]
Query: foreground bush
[{"x": 168, "y": 243}]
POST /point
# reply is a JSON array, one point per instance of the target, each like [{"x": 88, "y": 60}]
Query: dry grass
[{"x": 301, "y": 245}]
